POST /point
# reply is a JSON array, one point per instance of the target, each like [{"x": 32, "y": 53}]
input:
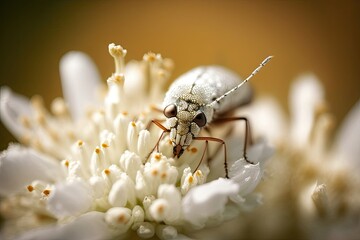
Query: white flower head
[
  {"x": 314, "y": 188},
  {"x": 92, "y": 167}
]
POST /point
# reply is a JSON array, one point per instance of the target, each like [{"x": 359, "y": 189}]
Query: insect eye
[
  {"x": 200, "y": 119},
  {"x": 170, "y": 111}
]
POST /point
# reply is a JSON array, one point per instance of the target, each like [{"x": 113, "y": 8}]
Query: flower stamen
[
  {"x": 157, "y": 156},
  {"x": 151, "y": 57},
  {"x": 191, "y": 179},
  {"x": 25, "y": 121},
  {"x": 97, "y": 150},
  {"x": 163, "y": 175},
  {"x": 160, "y": 209},
  {"x": 30, "y": 188},
  {"x": 104, "y": 145},
  {"x": 80, "y": 143},
  {"x": 118, "y": 53},
  {"x": 46, "y": 192},
  {"x": 121, "y": 218},
  {"x": 154, "y": 172},
  {"x": 66, "y": 163},
  {"x": 59, "y": 108},
  {"x": 193, "y": 150}
]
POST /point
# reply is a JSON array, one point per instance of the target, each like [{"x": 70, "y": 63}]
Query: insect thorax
[{"x": 182, "y": 127}]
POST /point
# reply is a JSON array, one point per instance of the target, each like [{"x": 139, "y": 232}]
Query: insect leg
[
  {"x": 248, "y": 139},
  {"x": 157, "y": 123},
  {"x": 207, "y": 139},
  {"x": 203, "y": 155},
  {"x": 165, "y": 130},
  {"x": 209, "y": 157}
]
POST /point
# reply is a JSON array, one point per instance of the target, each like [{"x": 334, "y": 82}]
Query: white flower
[
  {"x": 84, "y": 171},
  {"x": 313, "y": 190}
]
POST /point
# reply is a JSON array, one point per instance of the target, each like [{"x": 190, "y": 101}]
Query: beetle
[{"x": 200, "y": 97}]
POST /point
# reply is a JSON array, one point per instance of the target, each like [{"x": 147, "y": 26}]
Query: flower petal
[
  {"x": 257, "y": 153},
  {"x": 145, "y": 230},
  {"x": 166, "y": 232},
  {"x": 247, "y": 175},
  {"x": 119, "y": 218},
  {"x": 12, "y": 108},
  {"x": 348, "y": 138},
  {"x": 70, "y": 198},
  {"x": 306, "y": 95},
  {"x": 80, "y": 81},
  {"x": 90, "y": 226},
  {"x": 172, "y": 196},
  {"x": 160, "y": 209},
  {"x": 20, "y": 166},
  {"x": 118, "y": 195},
  {"x": 207, "y": 200}
]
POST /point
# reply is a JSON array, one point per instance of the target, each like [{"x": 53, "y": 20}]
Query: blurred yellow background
[{"x": 305, "y": 36}]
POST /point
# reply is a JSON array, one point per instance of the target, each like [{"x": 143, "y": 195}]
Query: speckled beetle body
[
  {"x": 199, "y": 96},
  {"x": 193, "y": 92}
]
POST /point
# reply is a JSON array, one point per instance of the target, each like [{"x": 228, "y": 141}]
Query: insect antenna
[{"x": 262, "y": 64}]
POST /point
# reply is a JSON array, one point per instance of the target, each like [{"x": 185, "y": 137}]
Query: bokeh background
[{"x": 322, "y": 37}]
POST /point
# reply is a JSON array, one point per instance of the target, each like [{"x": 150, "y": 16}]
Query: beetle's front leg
[
  {"x": 165, "y": 130},
  {"x": 212, "y": 139}
]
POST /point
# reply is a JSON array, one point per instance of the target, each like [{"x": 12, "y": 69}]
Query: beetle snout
[{"x": 178, "y": 150}]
